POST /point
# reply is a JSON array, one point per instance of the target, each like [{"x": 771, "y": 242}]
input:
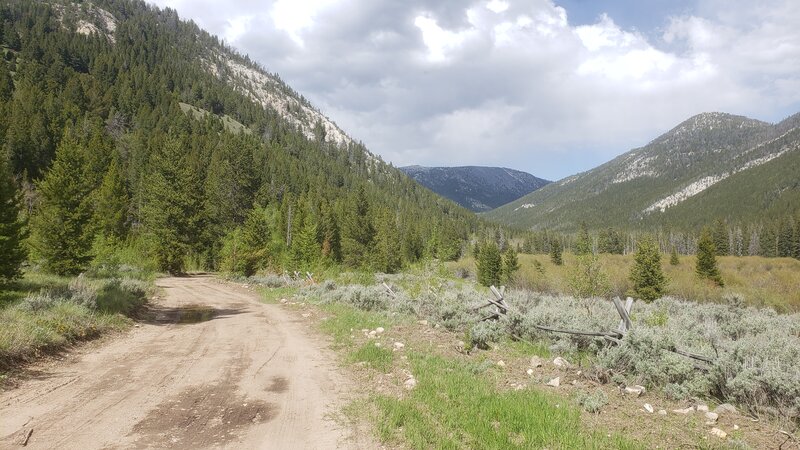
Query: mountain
[
  {"x": 713, "y": 165},
  {"x": 476, "y": 188},
  {"x": 196, "y": 152}
]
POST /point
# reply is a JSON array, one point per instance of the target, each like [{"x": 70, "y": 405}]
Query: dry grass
[{"x": 759, "y": 281}]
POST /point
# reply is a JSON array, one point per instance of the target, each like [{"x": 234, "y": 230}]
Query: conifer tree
[
  {"x": 490, "y": 265},
  {"x": 61, "y": 226},
  {"x": 649, "y": 282},
  {"x": 111, "y": 207},
  {"x": 720, "y": 236},
  {"x": 707, "y": 258},
  {"x": 12, "y": 230},
  {"x": 386, "y": 255},
  {"x": 359, "y": 230},
  {"x": 306, "y": 250},
  {"x": 583, "y": 245},
  {"x": 556, "y": 252},
  {"x": 673, "y": 257},
  {"x": 510, "y": 265},
  {"x": 171, "y": 207}
]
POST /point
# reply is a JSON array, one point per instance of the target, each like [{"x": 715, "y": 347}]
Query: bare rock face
[{"x": 555, "y": 382}]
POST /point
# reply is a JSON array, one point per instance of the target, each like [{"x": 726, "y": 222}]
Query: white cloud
[{"x": 512, "y": 82}]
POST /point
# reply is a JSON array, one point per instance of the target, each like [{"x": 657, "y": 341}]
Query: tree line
[{"x": 99, "y": 165}]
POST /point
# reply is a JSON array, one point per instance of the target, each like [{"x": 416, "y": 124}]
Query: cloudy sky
[{"x": 549, "y": 87}]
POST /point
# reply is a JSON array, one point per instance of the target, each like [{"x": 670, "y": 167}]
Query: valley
[{"x": 193, "y": 254}]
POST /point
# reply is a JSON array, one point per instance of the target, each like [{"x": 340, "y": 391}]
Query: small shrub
[
  {"x": 486, "y": 332},
  {"x": 593, "y": 402}
]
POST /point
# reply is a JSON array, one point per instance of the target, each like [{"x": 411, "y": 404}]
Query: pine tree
[
  {"x": 12, "y": 230},
  {"x": 61, "y": 225},
  {"x": 171, "y": 209},
  {"x": 510, "y": 265},
  {"x": 112, "y": 203},
  {"x": 721, "y": 238},
  {"x": 386, "y": 253},
  {"x": 786, "y": 239},
  {"x": 490, "y": 265},
  {"x": 583, "y": 245},
  {"x": 649, "y": 282},
  {"x": 673, "y": 257},
  {"x": 707, "y": 258},
  {"x": 358, "y": 232},
  {"x": 556, "y": 252},
  {"x": 306, "y": 250}
]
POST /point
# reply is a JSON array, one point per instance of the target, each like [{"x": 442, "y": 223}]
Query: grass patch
[
  {"x": 378, "y": 358},
  {"x": 759, "y": 281},
  {"x": 274, "y": 295},
  {"x": 452, "y": 407},
  {"x": 345, "y": 320},
  {"x": 64, "y": 311}
]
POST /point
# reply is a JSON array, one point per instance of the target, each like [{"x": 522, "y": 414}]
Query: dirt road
[{"x": 212, "y": 367}]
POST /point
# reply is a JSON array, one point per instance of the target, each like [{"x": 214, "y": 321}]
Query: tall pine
[
  {"x": 61, "y": 225},
  {"x": 12, "y": 230},
  {"x": 649, "y": 282},
  {"x": 490, "y": 265},
  {"x": 707, "y": 258},
  {"x": 172, "y": 207}
]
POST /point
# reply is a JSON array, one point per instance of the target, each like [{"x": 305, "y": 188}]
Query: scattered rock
[
  {"x": 712, "y": 416},
  {"x": 560, "y": 362},
  {"x": 410, "y": 383},
  {"x": 284, "y": 301},
  {"x": 719, "y": 433},
  {"x": 422, "y": 322},
  {"x": 501, "y": 363},
  {"x": 536, "y": 361},
  {"x": 555, "y": 382},
  {"x": 736, "y": 427},
  {"x": 725, "y": 408},
  {"x": 379, "y": 330},
  {"x": 574, "y": 382},
  {"x": 377, "y": 344},
  {"x": 648, "y": 407},
  {"x": 529, "y": 372},
  {"x": 399, "y": 345},
  {"x": 372, "y": 334},
  {"x": 634, "y": 390},
  {"x": 688, "y": 410},
  {"x": 306, "y": 315},
  {"x": 702, "y": 408},
  {"x": 662, "y": 412}
]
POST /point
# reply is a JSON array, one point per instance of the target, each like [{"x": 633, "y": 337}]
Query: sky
[{"x": 549, "y": 87}]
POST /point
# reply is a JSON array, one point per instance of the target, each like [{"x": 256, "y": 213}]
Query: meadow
[{"x": 758, "y": 281}]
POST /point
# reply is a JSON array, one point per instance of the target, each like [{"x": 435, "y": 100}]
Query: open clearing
[{"x": 209, "y": 366}]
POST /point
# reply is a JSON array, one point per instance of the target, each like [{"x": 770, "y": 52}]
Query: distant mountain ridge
[
  {"x": 713, "y": 165},
  {"x": 476, "y": 188}
]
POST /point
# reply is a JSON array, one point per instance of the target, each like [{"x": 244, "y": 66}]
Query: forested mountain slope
[
  {"x": 476, "y": 188},
  {"x": 712, "y": 166},
  {"x": 125, "y": 127}
]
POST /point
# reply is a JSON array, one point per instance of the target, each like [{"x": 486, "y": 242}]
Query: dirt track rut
[{"x": 211, "y": 368}]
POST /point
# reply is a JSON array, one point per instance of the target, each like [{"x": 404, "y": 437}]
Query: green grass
[
  {"x": 344, "y": 321},
  {"x": 453, "y": 407},
  {"x": 30, "y": 282},
  {"x": 378, "y": 358},
  {"x": 456, "y": 404},
  {"x": 274, "y": 295},
  {"x": 28, "y": 332}
]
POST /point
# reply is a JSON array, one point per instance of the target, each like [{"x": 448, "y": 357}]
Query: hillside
[
  {"x": 712, "y": 165},
  {"x": 140, "y": 130},
  {"x": 476, "y": 188}
]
